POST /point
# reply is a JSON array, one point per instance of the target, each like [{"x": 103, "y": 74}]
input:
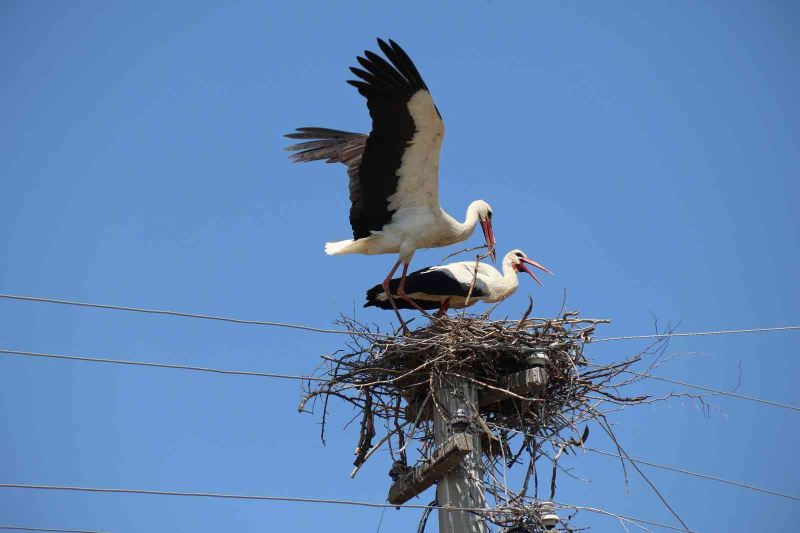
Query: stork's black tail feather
[
  {"x": 372, "y": 298},
  {"x": 377, "y": 290},
  {"x": 332, "y": 146}
]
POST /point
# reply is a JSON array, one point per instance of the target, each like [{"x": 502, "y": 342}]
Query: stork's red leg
[
  {"x": 401, "y": 292},
  {"x": 444, "y": 307},
  {"x": 389, "y": 297}
]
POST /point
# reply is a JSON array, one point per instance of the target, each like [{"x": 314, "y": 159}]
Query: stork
[
  {"x": 394, "y": 189},
  {"x": 447, "y": 286}
]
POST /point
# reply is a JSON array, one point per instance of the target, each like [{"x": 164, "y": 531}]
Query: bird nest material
[{"x": 391, "y": 382}]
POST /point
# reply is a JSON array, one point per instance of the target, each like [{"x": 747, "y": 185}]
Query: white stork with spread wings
[
  {"x": 394, "y": 189},
  {"x": 446, "y": 286}
]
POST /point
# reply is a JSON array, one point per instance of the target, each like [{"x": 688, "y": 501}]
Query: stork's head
[
  {"x": 518, "y": 259},
  {"x": 484, "y": 212}
]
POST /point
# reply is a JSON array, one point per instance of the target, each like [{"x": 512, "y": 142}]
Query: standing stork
[
  {"x": 446, "y": 286},
  {"x": 394, "y": 189}
]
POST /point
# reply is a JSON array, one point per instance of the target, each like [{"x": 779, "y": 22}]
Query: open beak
[
  {"x": 523, "y": 268},
  {"x": 488, "y": 234}
]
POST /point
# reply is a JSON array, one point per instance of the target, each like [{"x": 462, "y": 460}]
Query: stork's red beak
[
  {"x": 522, "y": 268},
  {"x": 488, "y": 234}
]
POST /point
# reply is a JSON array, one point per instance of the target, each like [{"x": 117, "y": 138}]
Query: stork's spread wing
[
  {"x": 397, "y": 166},
  {"x": 400, "y": 165}
]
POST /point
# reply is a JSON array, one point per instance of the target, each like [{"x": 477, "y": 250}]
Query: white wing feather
[{"x": 418, "y": 183}]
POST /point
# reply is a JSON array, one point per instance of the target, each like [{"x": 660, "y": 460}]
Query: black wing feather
[
  {"x": 433, "y": 281},
  {"x": 399, "y": 57},
  {"x": 366, "y": 76},
  {"x": 387, "y": 87}
]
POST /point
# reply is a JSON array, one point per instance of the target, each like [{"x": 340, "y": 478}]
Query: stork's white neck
[
  {"x": 510, "y": 280},
  {"x": 463, "y": 230}
]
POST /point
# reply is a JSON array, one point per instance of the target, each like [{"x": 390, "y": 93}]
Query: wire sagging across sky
[
  {"x": 716, "y": 391},
  {"x": 695, "y": 474},
  {"x": 217, "y": 495},
  {"x": 349, "y": 332},
  {"x": 28, "y": 528},
  {"x": 85, "y": 359},
  {"x": 698, "y": 333},
  {"x": 671, "y": 468},
  {"x": 188, "y": 315},
  {"x": 159, "y": 365}
]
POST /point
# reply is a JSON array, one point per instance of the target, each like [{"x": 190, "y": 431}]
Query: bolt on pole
[{"x": 463, "y": 485}]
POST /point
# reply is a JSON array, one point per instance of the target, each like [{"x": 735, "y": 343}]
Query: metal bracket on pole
[
  {"x": 525, "y": 383},
  {"x": 448, "y": 455}
]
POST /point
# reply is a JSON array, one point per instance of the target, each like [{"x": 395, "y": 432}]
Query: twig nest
[
  {"x": 535, "y": 387},
  {"x": 529, "y": 372}
]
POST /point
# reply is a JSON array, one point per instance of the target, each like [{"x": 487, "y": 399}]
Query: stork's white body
[
  {"x": 448, "y": 286},
  {"x": 417, "y": 220},
  {"x": 491, "y": 286},
  {"x": 411, "y": 229}
]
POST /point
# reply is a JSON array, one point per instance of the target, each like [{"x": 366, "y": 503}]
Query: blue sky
[{"x": 646, "y": 152}]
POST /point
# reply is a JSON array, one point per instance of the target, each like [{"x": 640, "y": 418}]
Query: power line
[
  {"x": 697, "y": 333},
  {"x": 22, "y": 528},
  {"x": 192, "y": 315},
  {"x": 622, "y": 517},
  {"x": 312, "y": 378},
  {"x": 716, "y": 391},
  {"x": 672, "y": 468},
  {"x": 218, "y": 495},
  {"x": 160, "y": 365},
  {"x": 344, "y": 331},
  {"x": 695, "y": 474}
]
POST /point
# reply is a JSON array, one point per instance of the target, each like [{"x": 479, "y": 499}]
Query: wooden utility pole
[
  {"x": 461, "y": 486},
  {"x": 456, "y": 465}
]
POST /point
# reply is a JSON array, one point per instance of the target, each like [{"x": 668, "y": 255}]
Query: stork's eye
[
  {"x": 489, "y": 214},
  {"x": 520, "y": 254}
]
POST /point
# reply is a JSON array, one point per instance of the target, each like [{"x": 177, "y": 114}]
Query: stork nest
[{"x": 391, "y": 381}]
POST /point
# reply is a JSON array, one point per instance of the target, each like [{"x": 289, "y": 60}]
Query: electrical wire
[
  {"x": 622, "y": 516},
  {"x": 23, "y": 528},
  {"x": 666, "y": 467},
  {"x": 304, "y": 500},
  {"x": 304, "y": 327},
  {"x": 697, "y": 333},
  {"x": 695, "y": 474},
  {"x": 229, "y": 496},
  {"x": 192, "y": 315},
  {"x": 312, "y": 378},
  {"x": 716, "y": 391},
  {"x": 160, "y": 365}
]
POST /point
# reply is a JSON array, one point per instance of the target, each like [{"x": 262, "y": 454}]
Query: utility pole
[
  {"x": 456, "y": 465},
  {"x": 461, "y": 486}
]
